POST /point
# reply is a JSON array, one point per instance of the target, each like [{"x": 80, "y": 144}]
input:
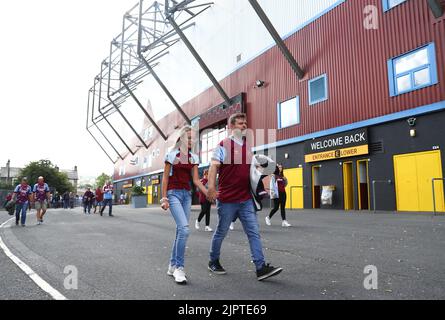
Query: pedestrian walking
[
  {"x": 108, "y": 198},
  {"x": 66, "y": 200},
  {"x": 72, "y": 199},
  {"x": 232, "y": 160},
  {"x": 122, "y": 198},
  {"x": 99, "y": 197},
  {"x": 278, "y": 183},
  {"x": 9, "y": 205},
  {"x": 88, "y": 198},
  {"x": 41, "y": 198},
  {"x": 181, "y": 166},
  {"x": 23, "y": 194},
  {"x": 206, "y": 205}
]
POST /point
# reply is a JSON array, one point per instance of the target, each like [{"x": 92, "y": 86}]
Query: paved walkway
[{"x": 323, "y": 255}]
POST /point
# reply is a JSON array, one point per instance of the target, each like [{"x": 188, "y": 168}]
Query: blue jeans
[
  {"x": 180, "y": 207},
  {"x": 87, "y": 207},
  {"x": 108, "y": 202},
  {"x": 245, "y": 211},
  {"x": 21, "y": 207}
]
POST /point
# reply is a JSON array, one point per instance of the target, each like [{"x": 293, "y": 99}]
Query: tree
[
  {"x": 86, "y": 186},
  {"x": 56, "y": 180},
  {"x": 102, "y": 179}
]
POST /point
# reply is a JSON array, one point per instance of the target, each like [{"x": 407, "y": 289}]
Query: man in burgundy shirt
[
  {"x": 232, "y": 159},
  {"x": 99, "y": 198}
]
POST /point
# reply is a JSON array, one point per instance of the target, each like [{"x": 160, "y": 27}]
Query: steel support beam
[
  {"x": 97, "y": 127},
  {"x": 274, "y": 33},
  {"x": 197, "y": 57},
  {"x": 114, "y": 104},
  {"x": 150, "y": 69},
  {"x": 436, "y": 7},
  {"x": 144, "y": 111},
  {"x": 105, "y": 118},
  {"x": 88, "y": 129}
]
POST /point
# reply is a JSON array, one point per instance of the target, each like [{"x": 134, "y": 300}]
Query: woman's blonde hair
[{"x": 183, "y": 136}]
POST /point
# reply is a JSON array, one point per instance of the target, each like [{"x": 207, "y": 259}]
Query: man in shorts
[{"x": 41, "y": 198}]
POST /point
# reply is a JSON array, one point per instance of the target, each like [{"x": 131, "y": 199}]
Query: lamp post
[{"x": 8, "y": 168}]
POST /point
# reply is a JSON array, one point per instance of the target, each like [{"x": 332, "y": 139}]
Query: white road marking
[{"x": 45, "y": 286}]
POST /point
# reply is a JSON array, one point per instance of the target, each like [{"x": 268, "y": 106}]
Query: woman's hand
[
  {"x": 165, "y": 204},
  {"x": 212, "y": 195}
]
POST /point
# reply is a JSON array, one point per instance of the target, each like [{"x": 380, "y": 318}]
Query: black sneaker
[
  {"x": 16, "y": 223},
  {"x": 216, "y": 267},
  {"x": 267, "y": 271}
]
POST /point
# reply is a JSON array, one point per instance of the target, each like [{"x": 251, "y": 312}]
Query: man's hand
[
  {"x": 165, "y": 206},
  {"x": 212, "y": 194}
]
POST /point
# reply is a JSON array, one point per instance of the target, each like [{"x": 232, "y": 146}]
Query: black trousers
[
  {"x": 205, "y": 211},
  {"x": 277, "y": 203}
]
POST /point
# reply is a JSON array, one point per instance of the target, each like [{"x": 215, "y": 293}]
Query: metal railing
[
  {"x": 374, "y": 200},
  {"x": 434, "y": 193}
]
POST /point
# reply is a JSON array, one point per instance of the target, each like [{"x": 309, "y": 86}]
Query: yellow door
[
  {"x": 149, "y": 192},
  {"x": 348, "y": 188},
  {"x": 294, "y": 189},
  {"x": 414, "y": 174}
]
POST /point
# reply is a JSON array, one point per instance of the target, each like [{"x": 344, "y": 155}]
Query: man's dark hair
[{"x": 236, "y": 116}]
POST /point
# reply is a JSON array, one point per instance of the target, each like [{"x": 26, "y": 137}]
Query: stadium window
[
  {"x": 288, "y": 113},
  {"x": 318, "y": 89},
  {"x": 389, "y": 4},
  {"x": 210, "y": 138},
  {"x": 413, "y": 70}
]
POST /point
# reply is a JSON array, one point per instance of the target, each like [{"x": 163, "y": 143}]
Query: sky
[{"x": 50, "y": 52}]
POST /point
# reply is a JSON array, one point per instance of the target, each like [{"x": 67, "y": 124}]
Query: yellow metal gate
[{"x": 414, "y": 174}]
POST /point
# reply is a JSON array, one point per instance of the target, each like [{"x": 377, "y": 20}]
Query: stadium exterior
[{"x": 368, "y": 114}]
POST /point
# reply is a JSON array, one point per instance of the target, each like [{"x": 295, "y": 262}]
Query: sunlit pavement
[{"x": 324, "y": 256}]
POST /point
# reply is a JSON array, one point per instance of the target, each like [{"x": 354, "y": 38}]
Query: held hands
[{"x": 212, "y": 195}]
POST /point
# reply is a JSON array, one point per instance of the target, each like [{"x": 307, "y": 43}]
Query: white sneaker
[
  {"x": 196, "y": 225},
  {"x": 285, "y": 224},
  {"x": 171, "y": 270},
  {"x": 208, "y": 229},
  {"x": 232, "y": 226},
  {"x": 268, "y": 221},
  {"x": 179, "y": 276}
]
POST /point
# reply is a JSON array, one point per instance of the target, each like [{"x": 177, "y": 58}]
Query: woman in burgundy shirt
[
  {"x": 279, "y": 196},
  {"x": 181, "y": 166}
]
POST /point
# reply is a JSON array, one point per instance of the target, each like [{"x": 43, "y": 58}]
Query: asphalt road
[{"x": 323, "y": 255}]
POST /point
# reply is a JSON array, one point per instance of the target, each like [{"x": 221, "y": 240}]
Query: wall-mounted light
[
  {"x": 259, "y": 84},
  {"x": 286, "y": 156},
  {"x": 412, "y": 122},
  {"x": 412, "y": 133}
]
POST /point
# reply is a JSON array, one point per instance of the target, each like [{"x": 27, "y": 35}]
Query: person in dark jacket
[
  {"x": 206, "y": 205},
  {"x": 88, "y": 198}
]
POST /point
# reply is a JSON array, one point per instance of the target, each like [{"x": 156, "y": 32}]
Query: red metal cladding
[{"x": 354, "y": 59}]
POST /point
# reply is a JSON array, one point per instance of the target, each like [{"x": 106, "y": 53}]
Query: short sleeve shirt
[
  {"x": 23, "y": 193},
  {"x": 108, "y": 192},
  {"x": 40, "y": 191},
  {"x": 181, "y": 169},
  {"x": 234, "y": 174}
]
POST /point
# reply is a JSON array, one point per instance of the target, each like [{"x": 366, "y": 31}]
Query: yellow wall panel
[{"x": 294, "y": 188}]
